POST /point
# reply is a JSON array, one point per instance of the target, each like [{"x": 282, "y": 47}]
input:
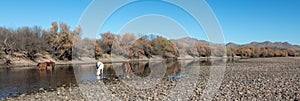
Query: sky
[{"x": 242, "y": 21}]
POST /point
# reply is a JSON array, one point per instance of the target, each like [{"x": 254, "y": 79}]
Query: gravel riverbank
[{"x": 60, "y": 94}]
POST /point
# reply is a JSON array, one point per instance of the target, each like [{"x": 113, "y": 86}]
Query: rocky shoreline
[
  {"x": 249, "y": 79},
  {"x": 60, "y": 94}
]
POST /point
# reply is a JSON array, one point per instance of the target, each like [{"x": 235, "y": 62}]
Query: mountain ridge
[{"x": 269, "y": 44}]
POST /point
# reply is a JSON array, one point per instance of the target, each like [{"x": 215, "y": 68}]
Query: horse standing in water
[
  {"x": 45, "y": 65},
  {"x": 52, "y": 64},
  {"x": 42, "y": 65},
  {"x": 99, "y": 68}
]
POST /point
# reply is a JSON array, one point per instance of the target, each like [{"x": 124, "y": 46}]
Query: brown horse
[
  {"x": 42, "y": 65},
  {"x": 52, "y": 64},
  {"x": 45, "y": 65}
]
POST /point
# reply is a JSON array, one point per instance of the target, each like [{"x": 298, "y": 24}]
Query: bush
[{"x": 292, "y": 52}]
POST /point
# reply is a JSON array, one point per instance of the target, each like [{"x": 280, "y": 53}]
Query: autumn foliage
[
  {"x": 129, "y": 46},
  {"x": 59, "y": 40},
  {"x": 255, "y": 52}
]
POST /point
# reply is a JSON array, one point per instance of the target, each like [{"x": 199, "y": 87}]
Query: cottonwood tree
[
  {"x": 106, "y": 42},
  {"x": 122, "y": 45},
  {"x": 141, "y": 48},
  {"x": 164, "y": 48},
  {"x": 98, "y": 50},
  {"x": 61, "y": 42},
  {"x": 292, "y": 52}
]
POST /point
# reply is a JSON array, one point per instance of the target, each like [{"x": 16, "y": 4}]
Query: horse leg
[
  {"x": 102, "y": 72},
  {"x": 53, "y": 65}
]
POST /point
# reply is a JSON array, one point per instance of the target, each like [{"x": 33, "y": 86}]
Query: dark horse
[{"x": 45, "y": 65}]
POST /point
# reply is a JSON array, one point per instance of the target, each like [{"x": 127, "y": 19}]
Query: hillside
[{"x": 281, "y": 45}]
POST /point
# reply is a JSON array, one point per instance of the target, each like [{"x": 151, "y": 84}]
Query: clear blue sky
[
  {"x": 18, "y": 13},
  {"x": 242, "y": 21}
]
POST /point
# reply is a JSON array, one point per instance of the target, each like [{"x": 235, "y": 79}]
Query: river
[{"x": 20, "y": 80}]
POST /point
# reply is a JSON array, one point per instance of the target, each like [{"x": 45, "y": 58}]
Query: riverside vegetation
[{"x": 57, "y": 43}]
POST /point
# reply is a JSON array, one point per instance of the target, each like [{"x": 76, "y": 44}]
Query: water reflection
[
  {"x": 27, "y": 80},
  {"x": 153, "y": 77},
  {"x": 141, "y": 69}
]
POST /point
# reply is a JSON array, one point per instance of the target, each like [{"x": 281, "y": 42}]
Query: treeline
[
  {"x": 61, "y": 43},
  {"x": 206, "y": 50},
  {"x": 150, "y": 46},
  {"x": 57, "y": 41},
  {"x": 255, "y": 52},
  {"x": 129, "y": 46}
]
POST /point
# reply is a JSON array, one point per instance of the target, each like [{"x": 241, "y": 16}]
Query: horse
[
  {"x": 42, "y": 65},
  {"x": 45, "y": 65},
  {"x": 99, "y": 68},
  {"x": 52, "y": 64}
]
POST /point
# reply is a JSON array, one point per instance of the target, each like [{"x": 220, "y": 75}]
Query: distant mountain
[
  {"x": 233, "y": 45},
  {"x": 191, "y": 41},
  {"x": 282, "y": 45}
]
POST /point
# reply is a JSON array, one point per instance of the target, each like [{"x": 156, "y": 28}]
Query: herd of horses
[
  {"x": 44, "y": 65},
  {"x": 99, "y": 67}
]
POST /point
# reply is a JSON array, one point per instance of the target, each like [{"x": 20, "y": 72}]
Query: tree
[
  {"x": 201, "y": 49},
  {"x": 233, "y": 51},
  {"x": 164, "y": 48},
  {"x": 106, "y": 42},
  {"x": 98, "y": 50},
  {"x": 291, "y": 52},
  {"x": 61, "y": 42},
  {"x": 141, "y": 48},
  {"x": 246, "y": 51},
  {"x": 218, "y": 51},
  {"x": 121, "y": 47},
  {"x": 263, "y": 52}
]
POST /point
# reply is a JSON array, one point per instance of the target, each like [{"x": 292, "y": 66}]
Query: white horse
[{"x": 99, "y": 68}]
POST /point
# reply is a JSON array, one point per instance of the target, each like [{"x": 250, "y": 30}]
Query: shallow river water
[{"x": 20, "y": 80}]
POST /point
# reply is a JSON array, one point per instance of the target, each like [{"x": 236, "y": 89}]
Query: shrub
[{"x": 291, "y": 52}]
